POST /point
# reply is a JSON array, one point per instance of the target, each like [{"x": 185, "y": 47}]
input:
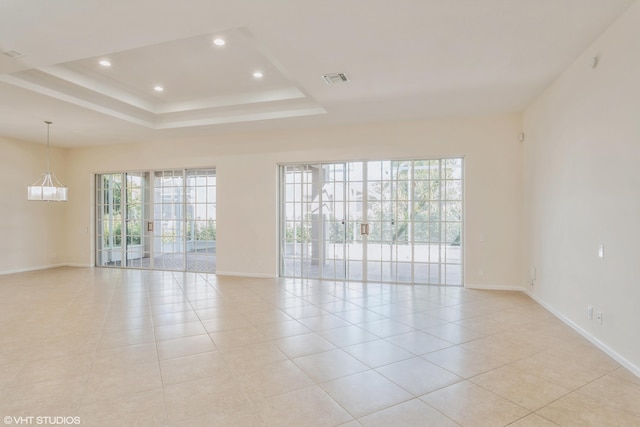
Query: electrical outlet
[
  {"x": 532, "y": 275},
  {"x": 590, "y": 312},
  {"x": 599, "y": 317}
]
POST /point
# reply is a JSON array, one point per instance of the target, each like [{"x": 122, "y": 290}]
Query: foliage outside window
[
  {"x": 298, "y": 232},
  {"x": 424, "y": 204},
  {"x": 201, "y": 230},
  {"x": 112, "y": 191}
]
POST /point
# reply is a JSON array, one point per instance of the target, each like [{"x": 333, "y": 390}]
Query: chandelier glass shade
[{"x": 47, "y": 188}]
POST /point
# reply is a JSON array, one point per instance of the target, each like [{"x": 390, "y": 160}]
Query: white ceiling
[{"x": 406, "y": 59}]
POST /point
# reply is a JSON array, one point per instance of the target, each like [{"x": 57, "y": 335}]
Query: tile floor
[{"x": 136, "y": 348}]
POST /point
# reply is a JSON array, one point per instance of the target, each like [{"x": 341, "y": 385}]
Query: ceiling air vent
[
  {"x": 12, "y": 53},
  {"x": 334, "y": 78}
]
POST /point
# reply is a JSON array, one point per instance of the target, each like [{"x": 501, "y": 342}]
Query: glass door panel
[
  {"x": 291, "y": 229},
  {"x": 136, "y": 207},
  {"x": 332, "y": 211},
  {"x": 389, "y": 248},
  {"x": 109, "y": 249},
  {"x": 313, "y": 226},
  {"x": 355, "y": 217},
  {"x": 201, "y": 220},
  {"x": 169, "y": 220}
]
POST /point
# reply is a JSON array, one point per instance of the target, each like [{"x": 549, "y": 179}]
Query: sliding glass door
[
  {"x": 383, "y": 221},
  {"x": 162, "y": 220}
]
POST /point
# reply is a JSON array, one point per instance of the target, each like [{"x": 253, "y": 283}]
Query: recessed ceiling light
[
  {"x": 158, "y": 88},
  {"x": 105, "y": 63},
  {"x": 257, "y": 75},
  {"x": 219, "y": 42}
]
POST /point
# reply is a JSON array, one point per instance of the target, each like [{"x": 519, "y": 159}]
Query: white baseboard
[
  {"x": 595, "y": 341},
  {"x": 494, "y": 287},
  {"x": 27, "y": 269},
  {"x": 44, "y": 267},
  {"x": 232, "y": 273}
]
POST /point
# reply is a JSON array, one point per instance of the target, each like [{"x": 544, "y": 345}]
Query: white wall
[
  {"x": 30, "y": 231},
  {"x": 582, "y": 189},
  {"x": 247, "y": 184}
]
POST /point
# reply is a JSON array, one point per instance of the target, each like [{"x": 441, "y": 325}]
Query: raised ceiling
[
  {"x": 405, "y": 59},
  {"x": 180, "y": 83}
]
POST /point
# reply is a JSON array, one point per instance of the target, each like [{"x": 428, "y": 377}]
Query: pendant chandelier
[{"x": 47, "y": 188}]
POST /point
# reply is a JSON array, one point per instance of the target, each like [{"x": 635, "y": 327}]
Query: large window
[
  {"x": 160, "y": 220},
  {"x": 387, "y": 221}
]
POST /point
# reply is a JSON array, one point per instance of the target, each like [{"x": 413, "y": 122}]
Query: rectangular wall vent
[
  {"x": 334, "y": 78},
  {"x": 12, "y": 53}
]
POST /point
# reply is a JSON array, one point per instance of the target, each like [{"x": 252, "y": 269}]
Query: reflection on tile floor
[{"x": 149, "y": 348}]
